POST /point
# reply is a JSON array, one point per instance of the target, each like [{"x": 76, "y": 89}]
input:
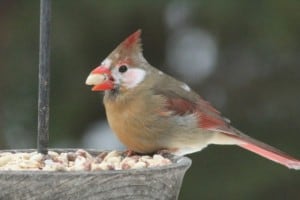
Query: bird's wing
[{"x": 208, "y": 117}]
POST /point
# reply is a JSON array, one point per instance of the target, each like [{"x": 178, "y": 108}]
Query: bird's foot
[
  {"x": 129, "y": 153},
  {"x": 167, "y": 153}
]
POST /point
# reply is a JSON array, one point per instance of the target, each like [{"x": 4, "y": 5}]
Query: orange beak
[{"x": 101, "y": 78}]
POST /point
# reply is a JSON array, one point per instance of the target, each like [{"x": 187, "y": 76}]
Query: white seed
[
  {"x": 5, "y": 159},
  {"x": 139, "y": 165},
  {"x": 79, "y": 160}
]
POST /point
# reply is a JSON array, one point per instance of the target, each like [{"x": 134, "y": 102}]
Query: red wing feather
[
  {"x": 209, "y": 118},
  {"x": 180, "y": 106},
  {"x": 211, "y": 122}
]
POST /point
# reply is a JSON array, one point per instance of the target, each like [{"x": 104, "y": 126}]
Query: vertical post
[{"x": 44, "y": 77}]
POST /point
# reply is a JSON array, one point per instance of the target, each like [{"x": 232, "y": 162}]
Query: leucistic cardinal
[{"x": 151, "y": 111}]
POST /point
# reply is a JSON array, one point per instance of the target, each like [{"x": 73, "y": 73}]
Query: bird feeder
[{"x": 162, "y": 182}]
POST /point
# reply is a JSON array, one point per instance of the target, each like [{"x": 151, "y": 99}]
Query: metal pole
[{"x": 44, "y": 77}]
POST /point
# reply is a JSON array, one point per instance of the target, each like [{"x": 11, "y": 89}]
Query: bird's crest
[
  {"x": 131, "y": 47},
  {"x": 134, "y": 40}
]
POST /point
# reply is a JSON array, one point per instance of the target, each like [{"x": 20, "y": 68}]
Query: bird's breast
[{"x": 135, "y": 123}]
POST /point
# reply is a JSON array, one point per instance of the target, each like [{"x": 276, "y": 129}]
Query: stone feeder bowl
[{"x": 89, "y": 174}]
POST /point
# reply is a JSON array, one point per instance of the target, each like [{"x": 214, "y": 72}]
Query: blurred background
[{"x": 243, "y": 56}]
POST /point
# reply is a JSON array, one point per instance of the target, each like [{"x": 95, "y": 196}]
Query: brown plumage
[{"x": 151, "y": 111}]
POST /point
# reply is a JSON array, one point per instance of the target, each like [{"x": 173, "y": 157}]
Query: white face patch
[
  {"x": 131, "y": 78},
  {"x": 185, "y": 87},
  {"x": 160, "y": 73}
]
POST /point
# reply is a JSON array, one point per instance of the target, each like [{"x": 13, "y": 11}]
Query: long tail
[
  {"x": 262, "y": 149},
  {"x": 270, "y": 153},
  {"x": 265, "y": 150}
]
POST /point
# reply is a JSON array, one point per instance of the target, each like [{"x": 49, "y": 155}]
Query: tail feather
[
  {"x": 270, "y": 153},
  {"x": 281, "y": 158},
  {"x": 262, "y": 149}
]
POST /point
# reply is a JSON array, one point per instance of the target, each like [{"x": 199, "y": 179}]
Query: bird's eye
[{"x": 123, "y": 68}]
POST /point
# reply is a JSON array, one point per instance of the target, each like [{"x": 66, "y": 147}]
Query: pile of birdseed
[{"x": 80, "y": 160}]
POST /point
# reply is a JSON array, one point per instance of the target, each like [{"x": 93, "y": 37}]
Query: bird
[{"x": 150, "y": 111}]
